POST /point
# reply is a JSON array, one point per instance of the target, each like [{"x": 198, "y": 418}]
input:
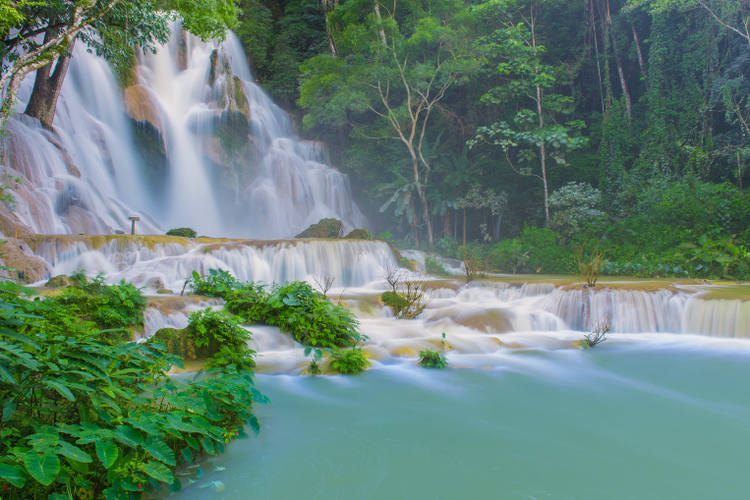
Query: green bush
[
  {"x": 84, "y": 418},
  {"x": 85, "y": 307},
  {"x": 433, "y": 266},
  {"x": 218, "y": 337},
  {"x": 432, "y": 359},
  {"x": 185, "y": 232},
  {"x": 300, "y": 310},
  {"x": 349, "y": 362},
  {"x": 218, "y": 283}
]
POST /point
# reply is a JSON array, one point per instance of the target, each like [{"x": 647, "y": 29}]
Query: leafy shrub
[
  {"x": 218, "y": 283},
  {"x": 350, "y": 361},
  {"x": 85, "y": 307},
  {"x": 432, "y": 359},
  {"x": 474, "y": 259},
  {"x": 590, "y": 266},
  {"x": 406, "y": 298},
  {"x": 300, "y": 310},
  {"x": 508, "y": 256},
  {"x": 83, "y": 418},
  {"x": 218, "y": 337},
  {"x": 185, "y": 232},
  {"x": 447, "y": 247},
  {"x": 433, "y": 266},
  {"x": 572, "y": 205}
]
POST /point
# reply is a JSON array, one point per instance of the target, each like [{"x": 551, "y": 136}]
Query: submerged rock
[{"x": 325, "y": 228}]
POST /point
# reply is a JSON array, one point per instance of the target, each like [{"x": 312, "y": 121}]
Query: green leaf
[
  {"x": 13, "y": 474},
  {"x": 187, "y": 454},
  {"x": 42, "y": 467},
  {"x": 208, "y": 446},
  {"x": 160, "y": 450},
  {"x": 9, "y": 408},
  {"x": 64, "y": 391},
  {"x": 127, "y": 436},
  {"x": 5, "y": 375},
  {"x": 107, "y": 452},
  {"x": 158, "y": 471},
  {"x": 74, "y": 453}
]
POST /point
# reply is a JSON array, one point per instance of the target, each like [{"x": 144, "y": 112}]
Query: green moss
[
  {"x": 359, "y": 234},
  {"x": 185, "y": 232},
  {"x": 325, "y": 228}
]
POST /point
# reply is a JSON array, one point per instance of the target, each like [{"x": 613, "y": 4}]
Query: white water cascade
[{"x": 193, "y": 142}]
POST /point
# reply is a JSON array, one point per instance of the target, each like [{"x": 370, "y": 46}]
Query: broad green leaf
[
  {"x": 9, "y": 408},
  {"x": 208, "y": 446},
  {"x": 158, "y": 471},
  {"x": 13, "y": 474},
  {"x": 127, "y": 436},
  {"x": 64, "y": 391},
  {"x": 42, "y": 467},
  {"x": 6, "y": 376},
  {"x": 187, "y": 454},
  {"x": 160, "y": 450},
  {"x": 107, "y": 452},
  {"x": 74, "y": 453}
]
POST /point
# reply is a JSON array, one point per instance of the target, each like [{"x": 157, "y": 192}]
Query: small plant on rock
[
  {"x": 433, "y": 359},
  {"x": 350, "y": 361},
  {"x": 596, "y": 337},
  {"x": 590, "y": 266}
]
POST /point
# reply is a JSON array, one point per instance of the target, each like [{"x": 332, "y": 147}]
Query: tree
[
  {"x": 394, "y": 68},
  {"x": 112, "y": 28},
  {"x": 528, "y": 84}
]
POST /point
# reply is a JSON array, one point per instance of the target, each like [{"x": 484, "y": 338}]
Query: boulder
[
  {"x": 325, "y": 228},
  {"x": 60, "y": 281},
  {"x": 359, "y": 234}
]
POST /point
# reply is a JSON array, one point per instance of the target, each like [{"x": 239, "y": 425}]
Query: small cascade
[
  {"x": 717, "y": 318},
  {"x": 147, "y": 260},
  {"x": 192, "y": 142}
]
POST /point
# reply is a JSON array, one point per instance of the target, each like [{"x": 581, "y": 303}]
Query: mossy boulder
[
  {"x": 185, "y": 232},
  {"x": 60, "y": 281},
  {"x": 359, "y": 234},
  {"x": 181, "y": 342},
  {"x": 325, "y": 228}
]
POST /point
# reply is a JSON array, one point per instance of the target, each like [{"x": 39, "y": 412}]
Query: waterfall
[
  {"x": 193, "y": 141},
  {"x": 147, "y": 260}
]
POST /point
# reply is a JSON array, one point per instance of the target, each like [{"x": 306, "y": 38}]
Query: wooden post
[{"x": 132, "y": 227}]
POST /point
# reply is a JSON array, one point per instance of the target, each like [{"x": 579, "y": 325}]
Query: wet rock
[
  {"x": 359, "y": 234},
  {"x": 164, "y": 291},
  {"x": 23, "y": 265},
  {"x": 325, "y": 228}
]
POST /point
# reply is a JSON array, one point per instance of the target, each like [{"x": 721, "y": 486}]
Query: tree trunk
[
  {"x": 43, "y": 101},
  {"x": 464, "y": 227},
  {"x": 331, "y": 41},
  {"x": 380, "y": 23},
  {"x": 618, "y": 62},
  {"x": 638, "y": 49},
  {"x": 447, "y": 224},
  {"x": 540, "y": 115}
]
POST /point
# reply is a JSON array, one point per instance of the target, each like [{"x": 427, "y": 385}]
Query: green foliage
[
  {"x": 432, "y": 359},
  {"x": 86, "y": 418},
  {"x": 218, "y": 283},
  {"x": 218, "y": 337},
  {"x": 349, "y": 361},
  {"x": 590, "y": 266},
  {"x": 474, "y": 260},
  {"x": 185, "y": 232},
  {"x": 295, "y": 307},
  {"x": 572, "y": 205},
  {"x": 359, "y": 234},
  {"x": 433, "y": 266},
  {"x": 300, "y": 310}
]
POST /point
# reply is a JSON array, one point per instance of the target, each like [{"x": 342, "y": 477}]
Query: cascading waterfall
[
  {"x": 350, "y": 263},
  {"x": 193, "y": 142}
]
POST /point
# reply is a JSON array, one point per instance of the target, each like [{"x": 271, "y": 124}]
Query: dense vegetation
[
  {"x": 295, "y": 307},
  {"x": 87, "y": 413},
  {"x": 537, "y": 129}
]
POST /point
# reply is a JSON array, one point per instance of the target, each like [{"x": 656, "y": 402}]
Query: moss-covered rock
[
  {"x": 325, "y": 228},
  {"x": 60, "y": 281},
  {"x": 175, "y": 341},
  {"x": 164, "y": 291},
  {"x": 359, "y": 234}
]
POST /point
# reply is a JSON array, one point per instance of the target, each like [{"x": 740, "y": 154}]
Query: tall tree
[
  {"x": 535, "y": 133},
  {"x": 397, "y": 63}
]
